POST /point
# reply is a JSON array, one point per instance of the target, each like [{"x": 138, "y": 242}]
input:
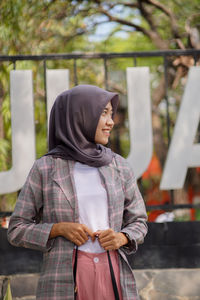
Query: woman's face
[{"x": 104, "y": 126}]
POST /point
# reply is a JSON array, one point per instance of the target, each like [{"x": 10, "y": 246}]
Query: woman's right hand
[{"x": 75, "y": 232}]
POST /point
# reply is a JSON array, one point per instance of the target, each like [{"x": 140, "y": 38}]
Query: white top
[{"x": 92, "y": 203}]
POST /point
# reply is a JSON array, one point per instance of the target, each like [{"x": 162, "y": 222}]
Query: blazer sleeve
[
  {"x": 134, "y": 216},
  {"x": 25, "y": 227}
]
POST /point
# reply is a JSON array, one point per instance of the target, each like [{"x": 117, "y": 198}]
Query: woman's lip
[{"x": 106, "y": 131}]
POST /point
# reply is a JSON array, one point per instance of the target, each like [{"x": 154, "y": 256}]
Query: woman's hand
[
  {"x": 111, "y": 240},
  {"x": 75, "y": 232}
]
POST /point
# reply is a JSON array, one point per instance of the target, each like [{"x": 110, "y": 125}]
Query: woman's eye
[{"x": 105, "y": 112}]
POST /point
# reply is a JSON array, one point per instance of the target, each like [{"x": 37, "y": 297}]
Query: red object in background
[
  {"x": 156, "y": 197},
  {"x": 154, "y": 168},
  {"x": 190, "y": 198},
  {"x": 4, "y": 222},
  {"x": 198, "y": 170}
]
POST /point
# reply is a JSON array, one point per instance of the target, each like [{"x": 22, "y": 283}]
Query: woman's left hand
[{"x": 111, "y": 240}]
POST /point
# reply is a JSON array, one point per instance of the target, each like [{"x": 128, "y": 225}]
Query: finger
[
  {"x": 83, "y": 235},
  {"x": 103, "y": 233},
  {"x": 96, "y": 234},
  {"x": 78, "y": 242},
  {"x": 110, "y": 246},
  {"x": 106, "y": 238},
  {"x": 107, "y": 243},
  {"x": 104, "y": 245},
  {"x": 79, "y": 236},
  {"x": 76, "y": 238},
  {"x": 82, "y": 231},
  {"x": 89, "y": 232},
  {"x": 107, "y": 232}
]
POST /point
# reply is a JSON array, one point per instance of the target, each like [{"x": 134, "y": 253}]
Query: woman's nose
[{"x": 110, "y": 122}]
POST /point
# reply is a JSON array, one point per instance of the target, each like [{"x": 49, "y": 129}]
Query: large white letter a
[{"x": 183, "y": 153}]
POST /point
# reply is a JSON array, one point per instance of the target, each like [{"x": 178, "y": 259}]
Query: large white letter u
[{"x": 23, "y": 131}]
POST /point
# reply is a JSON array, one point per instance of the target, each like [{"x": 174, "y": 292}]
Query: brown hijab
[{"x": 73, "y": 121}]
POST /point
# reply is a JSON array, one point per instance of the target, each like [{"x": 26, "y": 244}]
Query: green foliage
[
  {"x": 8, "y": 295},
  {"x": 4, "y": 150},
  {"x": 41, "y": 128}
]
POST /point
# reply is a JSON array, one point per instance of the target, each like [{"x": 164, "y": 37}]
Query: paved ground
[
  {"x": 163, "y": 284},
  {"x": 169, "y": 284}
]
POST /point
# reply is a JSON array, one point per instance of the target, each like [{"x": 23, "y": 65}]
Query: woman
[{"x": 81, "y": 194}]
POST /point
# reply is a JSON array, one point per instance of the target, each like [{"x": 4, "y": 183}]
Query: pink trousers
[{"x": 93, "y": 276}]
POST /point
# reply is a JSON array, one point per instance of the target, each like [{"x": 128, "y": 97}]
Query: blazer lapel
[
  {"x": 63, "y": 176},
  {"x": 109, "y": 175}
]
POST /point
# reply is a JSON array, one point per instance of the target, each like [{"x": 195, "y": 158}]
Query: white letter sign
[
  {"x": 23, "y": 132},
  {"x": 183, "y": 153},
  {"x": 57, "y": 82},
  {"x": 140, "y": 123}
]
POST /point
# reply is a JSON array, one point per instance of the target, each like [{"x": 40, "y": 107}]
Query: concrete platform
[
  {"x": 160, "y": 284},
  {"x": 168, "y": 284}
]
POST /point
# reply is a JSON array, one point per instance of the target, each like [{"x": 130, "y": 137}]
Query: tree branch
[
  {"x": 193, "y": 32},
  {"x": 127, "y": 4},
  {"x": 165, "y": 10},
  {"x": 147, "y": 16},
  {"x": 151, "y": 34},
  {"x": 122, "y": 21}
]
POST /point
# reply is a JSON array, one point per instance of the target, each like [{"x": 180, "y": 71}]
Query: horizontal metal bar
[
  {"x": 4, "y": 214},
  {"x": 80, "y": 55},
  {"x": 166, "y": 207},
  {"x": 171, "y": 206}
]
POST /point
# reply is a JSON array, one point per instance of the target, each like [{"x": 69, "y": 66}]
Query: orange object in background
[
  {"x": 154, "y": 169},
  {"x": 163, "y": 199},
  {"x": 154, "y": 196},
  {"x": 4, "y": 222},
  {"x": 194, "y": 198},
  {"x": 198, "y": 169},
  {"x": 190, "y": 197}
]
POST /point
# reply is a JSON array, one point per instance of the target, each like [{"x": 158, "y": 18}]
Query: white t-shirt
[{"x": 92, "y": 203}]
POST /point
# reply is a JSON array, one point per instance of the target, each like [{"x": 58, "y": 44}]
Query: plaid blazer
[{"x": 49, "y": 197}]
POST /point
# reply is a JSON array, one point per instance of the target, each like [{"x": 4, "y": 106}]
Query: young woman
[{"x": 81, "y": 194}]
